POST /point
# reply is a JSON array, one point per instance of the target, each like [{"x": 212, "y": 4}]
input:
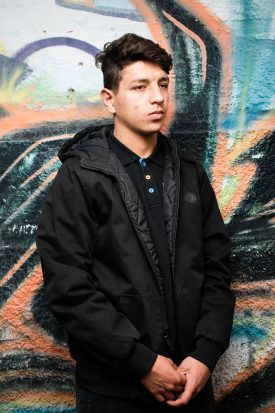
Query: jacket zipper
[
  {"x": 154, "y": 268},
  {"x": 156, "y": 272},
  {"x": 177, "y": 177}
]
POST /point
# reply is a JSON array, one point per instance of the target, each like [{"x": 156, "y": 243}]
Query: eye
[
  {"x": 164, "y": 85},
  {"x": 139, "y": 87}
]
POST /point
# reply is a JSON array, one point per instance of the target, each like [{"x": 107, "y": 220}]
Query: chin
[
  {"x": 149, "y": 132},
  {"x": 152, "y": 129}
]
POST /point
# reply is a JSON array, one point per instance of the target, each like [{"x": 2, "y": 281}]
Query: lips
[
  {"x": 157, "y": 112},
  {"x": 157, "y": 115}
]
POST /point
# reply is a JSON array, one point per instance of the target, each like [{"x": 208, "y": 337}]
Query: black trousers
[{"x": 88, "y": 402}]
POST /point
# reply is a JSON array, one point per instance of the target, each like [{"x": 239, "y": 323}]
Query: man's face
[{"x": 140, "y": 104}]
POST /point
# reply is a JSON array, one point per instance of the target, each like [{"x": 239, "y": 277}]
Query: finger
[
  {"x": 176, "y": 403},
  {"x": 159, "y": 397},
  {"x": 180, "y": 379},
  {"x": 174, "y": 386},
  {"x": 187, "y": 395},
  {"x": 183, "y": 399},
  {"x": 179, "y": 388},
  {"x": 168, "y": 395},
  {"x": 183, "y": 377}
]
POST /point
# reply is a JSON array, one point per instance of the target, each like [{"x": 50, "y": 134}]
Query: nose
[{"x": 156, "y": 95}]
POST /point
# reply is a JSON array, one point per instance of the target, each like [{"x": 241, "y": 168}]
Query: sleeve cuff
[
  {"x": 207, "y": 352},
  {"x": 140, "y": 360}
]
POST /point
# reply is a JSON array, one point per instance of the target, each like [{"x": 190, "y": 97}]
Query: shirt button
[
  {"x": 151, "y": 190},
  {"x": 148, "y": 176}
]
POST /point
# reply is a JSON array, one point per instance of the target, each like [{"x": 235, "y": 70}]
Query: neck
[{"x": 142, "y": 145}]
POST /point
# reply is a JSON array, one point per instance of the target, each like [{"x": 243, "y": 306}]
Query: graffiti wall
[{"x": 222, "y": 113}]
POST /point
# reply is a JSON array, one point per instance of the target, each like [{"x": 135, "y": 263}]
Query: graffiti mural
[{"x": 221, "y": 112}]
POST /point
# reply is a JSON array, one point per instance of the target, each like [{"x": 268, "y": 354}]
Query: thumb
[{"x": 183, "y": 399}]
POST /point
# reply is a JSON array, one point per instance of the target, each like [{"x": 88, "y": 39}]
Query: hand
[
  {"x": 196, "y": 374},
  {"x": 164, "y": 379}
]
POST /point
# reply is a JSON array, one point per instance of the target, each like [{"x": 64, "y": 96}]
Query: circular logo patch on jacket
[{"x": 190, "y": 197}]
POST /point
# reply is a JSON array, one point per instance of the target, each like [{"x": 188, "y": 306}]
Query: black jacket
[{"x": 101, "y": 270}]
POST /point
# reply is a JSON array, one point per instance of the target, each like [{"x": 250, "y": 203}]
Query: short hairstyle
[{"x": 128, "y": 49}]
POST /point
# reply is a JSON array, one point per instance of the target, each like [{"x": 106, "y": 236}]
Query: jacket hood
[
  {"x": 96, "y": 134},
  {"x": 90, "y": 136}
]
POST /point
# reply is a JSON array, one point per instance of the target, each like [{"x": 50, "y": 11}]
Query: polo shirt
[{"x": 147, "y": 177}]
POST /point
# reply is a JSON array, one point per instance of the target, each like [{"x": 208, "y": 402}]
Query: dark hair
[{"x": 127, "y": 49}]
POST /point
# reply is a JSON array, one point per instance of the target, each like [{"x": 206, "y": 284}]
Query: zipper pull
[{"x": 166, "y": 333}]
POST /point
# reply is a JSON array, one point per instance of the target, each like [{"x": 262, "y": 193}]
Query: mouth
[{"x": 157, "y": 114}]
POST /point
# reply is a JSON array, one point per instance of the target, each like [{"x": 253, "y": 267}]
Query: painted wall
[{"x": 222, "y": 112}]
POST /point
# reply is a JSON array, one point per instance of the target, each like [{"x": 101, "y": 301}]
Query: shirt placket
[{"x": 151, "y": 188}]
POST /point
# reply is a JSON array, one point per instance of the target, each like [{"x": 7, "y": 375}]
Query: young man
[{"x": 134, "y": 250}]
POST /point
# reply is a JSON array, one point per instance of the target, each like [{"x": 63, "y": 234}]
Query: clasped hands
[{"x": 176, "y": 385}]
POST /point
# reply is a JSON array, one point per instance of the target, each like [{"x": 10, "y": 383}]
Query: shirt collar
[{"x": 127, "y": 156}]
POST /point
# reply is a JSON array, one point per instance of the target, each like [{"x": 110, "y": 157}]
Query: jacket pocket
[{"x": 145, "y": 312}]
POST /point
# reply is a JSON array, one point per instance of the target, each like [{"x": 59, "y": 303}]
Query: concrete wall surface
[{"x": 222, "y": 112}]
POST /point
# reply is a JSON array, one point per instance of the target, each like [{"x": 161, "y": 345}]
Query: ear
[{"x": 107, "y": 98}]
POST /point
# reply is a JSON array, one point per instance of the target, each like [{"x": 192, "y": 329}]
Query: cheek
[
  {"x": 166, "y": 97},
  {"x": 130, "y": 107},
  {"x": 127, "y": 104},
  {"x": 133, "y": 107}
]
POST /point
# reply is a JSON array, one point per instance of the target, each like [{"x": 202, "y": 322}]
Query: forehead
[{"x": 142, "y": 70}]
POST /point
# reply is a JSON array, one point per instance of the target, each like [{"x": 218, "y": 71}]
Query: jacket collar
[
  {"x": 127, "y": 156},
  {"x": 92, "y": 145}
]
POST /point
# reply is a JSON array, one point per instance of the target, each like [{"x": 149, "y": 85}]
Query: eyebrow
[{"x": 164, "y": 78}]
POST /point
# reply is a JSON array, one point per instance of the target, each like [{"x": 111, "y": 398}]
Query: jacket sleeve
[
  {"x": 213, "y": 329},
  {"x": 66, "y": 239}
]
